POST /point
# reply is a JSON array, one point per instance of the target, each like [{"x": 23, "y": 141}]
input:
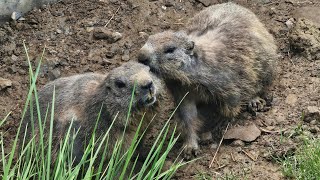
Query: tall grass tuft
[
  {"x": 305, "y": 164},
  {"x": 33, "y": 160}
]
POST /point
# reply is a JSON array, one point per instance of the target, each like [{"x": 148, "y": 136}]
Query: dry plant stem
[
  {"x": 264, "y": 123},
  {"x": 112, "y": 17},
  {"x": 215, "y": 154},
  {"x": 249, "y": 155},
  {"x": 232, "y": 157},
  {"x": 272, "y": 3},
  {"x": 272, "y": 132},
  {"x": 220, "y": 167}
]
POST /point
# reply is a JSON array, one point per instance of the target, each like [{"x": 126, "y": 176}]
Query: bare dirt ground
[{"x": 67, "y": 29}]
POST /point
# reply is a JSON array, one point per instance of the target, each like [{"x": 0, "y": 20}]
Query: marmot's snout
[
  {"x": 146, "y": 89},
  {"x": 144, "y": 55},
  {"x": 143, "y": 58}
]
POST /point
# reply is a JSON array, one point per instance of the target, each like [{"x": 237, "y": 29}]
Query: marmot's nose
[
  {"x": 143, "y": 58},
  {"x": 147, "y": 85}
]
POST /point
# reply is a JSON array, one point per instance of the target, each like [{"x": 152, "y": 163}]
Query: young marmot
[
  {"x": 224, "y": 58},
  {"x": 81, "y": 97}
]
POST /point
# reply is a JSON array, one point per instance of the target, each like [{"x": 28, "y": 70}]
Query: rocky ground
[{"x": 96, "y": 36}]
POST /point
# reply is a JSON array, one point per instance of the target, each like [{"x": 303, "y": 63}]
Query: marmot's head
[
  {"x": 170, "y": 54},
  {"x": 120, "y": 84}
]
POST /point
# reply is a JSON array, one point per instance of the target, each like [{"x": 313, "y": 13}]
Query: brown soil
[{"x": 65, "y": 29}]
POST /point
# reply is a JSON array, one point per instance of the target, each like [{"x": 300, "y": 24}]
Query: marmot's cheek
[
  {"x": 178, "y": 64},
  {"x": 154, "y": 91}
]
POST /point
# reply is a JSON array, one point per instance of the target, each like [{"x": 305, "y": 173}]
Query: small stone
[
  {"x": 5, "y": 83},
  {"x": 291, "y": 99},
  {"x": 313, "y": 110},
  {"x": 67, "y": 30},
  {"x": 59, "y": 31},
  {"x": 12, "y": 69},
  {"x": 312, "y": 113},
  {"x": 314, "y": 130},
  {"x": 110, "y": 54},
  {"x": 104, "y": 33},
  {"x": 64, "y": 62},
  {"x": 290, "y": 23},
  {"x": 207, "y": 3},
  {"x": 245, "y": 133},
  {"x": 16, "y": 15},
  {"x": 53, "y": 62},
  {"x": 265, "y": 1},
  {"x": 125, "y": 57},
  {"x": 128, "y": 44},
  {"x": 143, "y": 35},
  {"x": 25, "y": 65},
  {"x": 313, "y": 122},
  {"x": 14, "y": 58},
  {"x": 163, "y": 7},
  {"x": 117, "y": 36},
  {"x": 89, "y": 29},
  {"x": 54, "y": 74},
  {"x": 238, "y": 143},
  {"x": 22, "y": 72},
  {"x": 169, "y": 3}
]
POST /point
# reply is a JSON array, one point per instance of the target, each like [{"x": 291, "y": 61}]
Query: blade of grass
[
  {"x": 60, "y": 157},
  {"x": 10, "y": 159},
  {"x": 48, "y": 170},
  {"x": 5, "y": 118}
]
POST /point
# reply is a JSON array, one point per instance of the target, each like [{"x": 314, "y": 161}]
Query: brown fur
[
  {"x": 80, "y": 97},
  {"x": 224, "y": 58}
]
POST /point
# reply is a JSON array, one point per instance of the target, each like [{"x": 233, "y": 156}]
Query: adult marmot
[
  {"x": 81, "y": 97},
  {"x": 224, "y": 58}
]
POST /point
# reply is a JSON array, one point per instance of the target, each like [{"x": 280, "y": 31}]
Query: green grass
[
  {"x": 305, "y": 164},
  {"x": 34, "y": 159}
]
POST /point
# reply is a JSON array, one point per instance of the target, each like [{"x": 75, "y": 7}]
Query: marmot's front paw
[
  {"x": 191, "y": 150},
  {"x": 206, "y": 138},
  {"x": 257, "y": 105}
]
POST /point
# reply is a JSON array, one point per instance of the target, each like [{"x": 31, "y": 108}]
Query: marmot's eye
[
  {"x": 120, "y": 84},
  {"x": 190, "y": 45},
  {"x": 170, "y": 49}
]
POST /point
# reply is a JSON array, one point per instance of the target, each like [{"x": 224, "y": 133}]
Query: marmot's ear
[
  {"x": 107, "y": 84},
  {"x": 181, "y": 33},
  {"x": 108, "y": 87},
  {"x": 190, "y": 45}
]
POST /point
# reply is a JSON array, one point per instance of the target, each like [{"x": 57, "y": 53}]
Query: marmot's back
[
  {"x": 232, "y": 36},
  {"x": 70, "y": 93},
  {"x": 220, "y": 16}
]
